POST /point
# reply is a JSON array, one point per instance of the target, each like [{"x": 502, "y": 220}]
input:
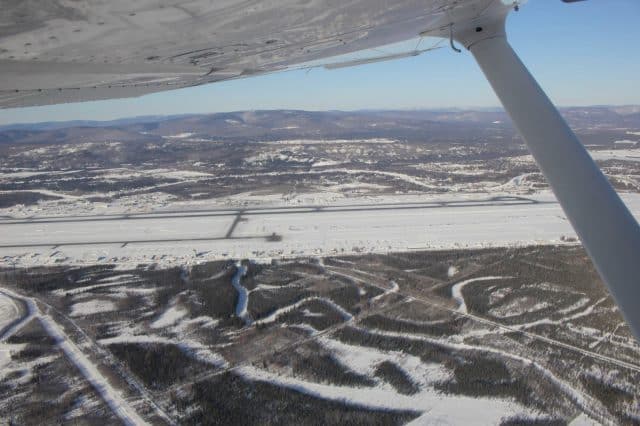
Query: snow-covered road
[
  {"x": 456, "y": 290},
  {"x": 112, "y": 397},
  {"x": 9, "y": 313},
  {"x": 11, "y": 319}
]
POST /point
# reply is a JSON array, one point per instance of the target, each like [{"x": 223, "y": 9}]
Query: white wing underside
[{"x": 59, "y": 51}]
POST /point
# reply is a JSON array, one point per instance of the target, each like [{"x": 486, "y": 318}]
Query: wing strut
[{"x": 607, "y": 229}]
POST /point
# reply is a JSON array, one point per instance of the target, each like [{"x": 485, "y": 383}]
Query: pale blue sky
[{"x": 582, "y": 54}]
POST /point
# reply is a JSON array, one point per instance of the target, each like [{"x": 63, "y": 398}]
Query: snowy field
[
  {"x": 618, "y": 154},
  {"x": 386, "y": 224}
]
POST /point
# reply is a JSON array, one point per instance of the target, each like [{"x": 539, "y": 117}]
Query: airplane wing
[{"x": 59, "y": 51}]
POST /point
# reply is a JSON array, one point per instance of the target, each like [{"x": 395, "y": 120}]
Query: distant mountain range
[
  {"x": 424, "y": 125},
  {"x": 53, "y": 125}
]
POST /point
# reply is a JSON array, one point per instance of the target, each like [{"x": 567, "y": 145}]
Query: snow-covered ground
[
  {"x": 281, "y": 311},
  {"x": 112, "y": 397},
  {"x": 169, "y": 317},
  {"x": 437, "y": 408},
  {"x": 9, "y": 311},
  {"x": 617, "y": 154},
  {"x": 92, "y": 306},
  {"x": 331, "y": 141},
  {"x": 456, "y": 290},
  {"x": 463, "y": 221},
  {"x": 171, "y": 322}
]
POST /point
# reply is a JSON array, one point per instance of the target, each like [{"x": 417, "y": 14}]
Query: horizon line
[{"x": 355, "y": 110}]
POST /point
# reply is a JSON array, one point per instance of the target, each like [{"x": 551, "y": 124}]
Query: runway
[{"x": 287, "y": 231}]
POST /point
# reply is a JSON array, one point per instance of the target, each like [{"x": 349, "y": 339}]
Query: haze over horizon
[{"x": 569, "y": 113}]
